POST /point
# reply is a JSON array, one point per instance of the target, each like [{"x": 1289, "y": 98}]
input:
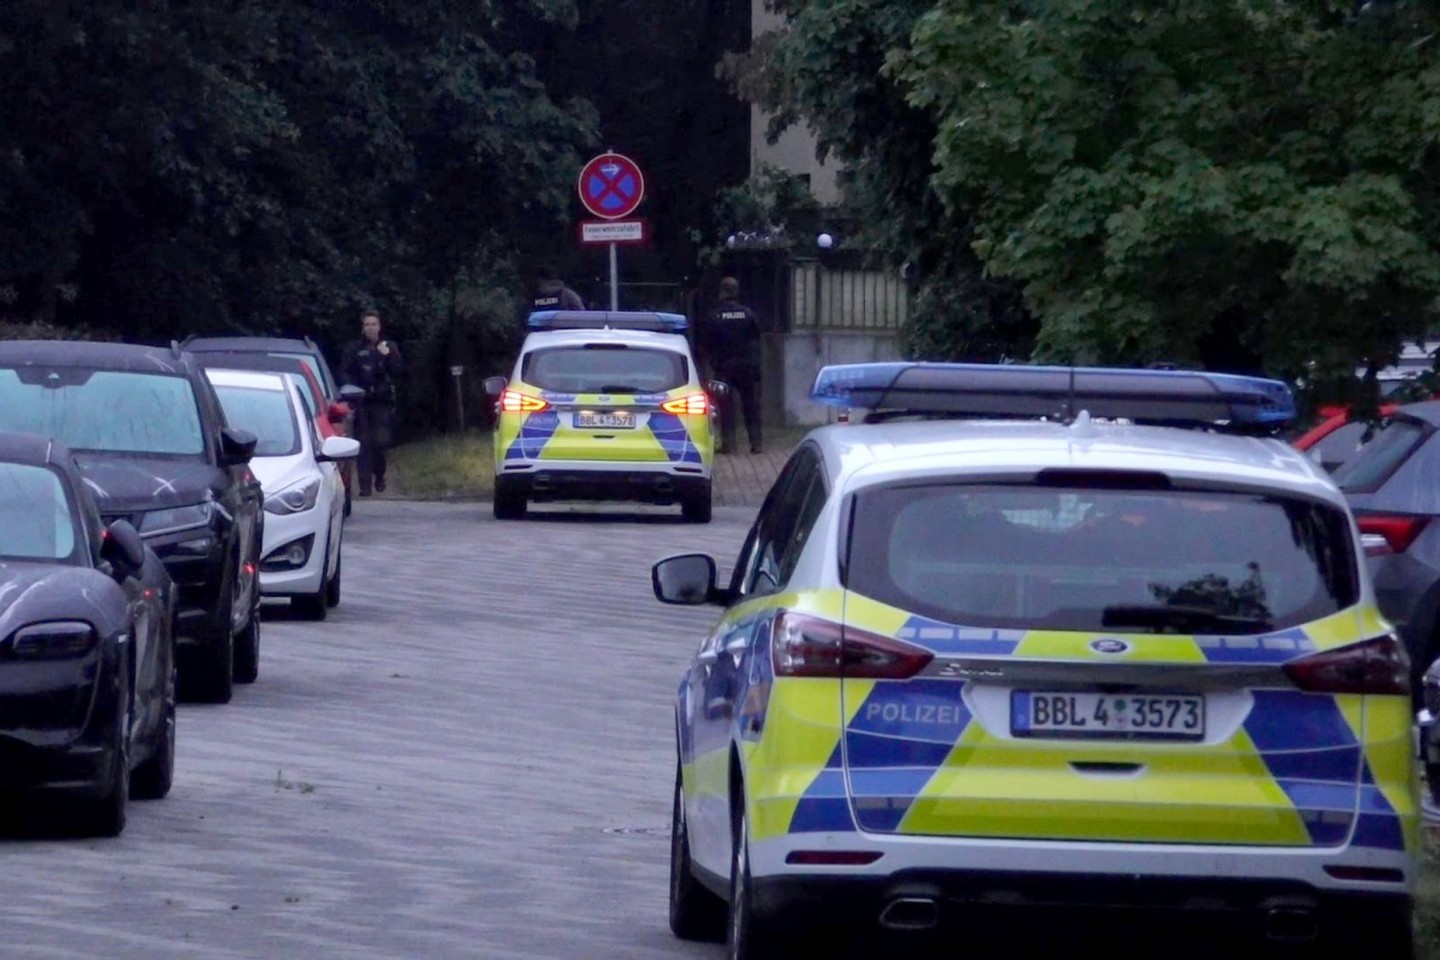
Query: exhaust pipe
[
  {"x": 910, "y": 913},
  {"x": 1291, "y": 922}
]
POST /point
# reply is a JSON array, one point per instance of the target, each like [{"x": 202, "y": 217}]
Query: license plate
[
  {"x": 607, "y": 419},
  {"x": 1037, "y": 713}
]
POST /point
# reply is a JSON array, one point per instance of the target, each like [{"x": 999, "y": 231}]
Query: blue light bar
[
  {"x": 1176, "y": 397},
  {"x": 602, "y": 319}
]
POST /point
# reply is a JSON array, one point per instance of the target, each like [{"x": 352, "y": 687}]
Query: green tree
[{"x": 1226, "y": 181}]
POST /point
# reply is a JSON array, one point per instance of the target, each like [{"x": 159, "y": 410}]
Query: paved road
[{"x": 472, "y": 758}]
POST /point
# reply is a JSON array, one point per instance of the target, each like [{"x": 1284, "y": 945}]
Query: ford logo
[{"x": 1109, "y": 645}]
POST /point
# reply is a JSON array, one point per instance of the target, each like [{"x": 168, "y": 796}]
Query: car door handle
[{"x": 737, "y": 645}]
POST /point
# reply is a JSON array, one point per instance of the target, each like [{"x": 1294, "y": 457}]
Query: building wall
[{"x": 795, "y": 150}]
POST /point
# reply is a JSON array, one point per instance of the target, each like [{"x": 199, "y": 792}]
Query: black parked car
[
  {"x": 153, "y": 445},
  {"x": 87, "y": 658},
  {"x": 1393, "y": 485}
]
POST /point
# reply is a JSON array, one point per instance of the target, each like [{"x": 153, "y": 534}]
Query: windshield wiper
[{"x": 1180, "y": 617}]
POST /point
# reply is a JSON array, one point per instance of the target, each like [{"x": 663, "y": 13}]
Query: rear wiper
[{"x": 1181, "y": 618}]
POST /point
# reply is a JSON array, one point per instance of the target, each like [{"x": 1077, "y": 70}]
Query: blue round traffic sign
[{"x": 611, "y": 186}]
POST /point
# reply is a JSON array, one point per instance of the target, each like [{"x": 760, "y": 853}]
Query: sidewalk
[{"x": 742, "y": 479}]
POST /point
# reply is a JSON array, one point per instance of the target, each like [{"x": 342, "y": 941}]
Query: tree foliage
[{"x": 1239, "y": 183}]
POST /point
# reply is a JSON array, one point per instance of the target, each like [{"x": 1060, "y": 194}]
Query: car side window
[
  {"x": 773, "y": 540},
  {"x": 809, "y": 512}
]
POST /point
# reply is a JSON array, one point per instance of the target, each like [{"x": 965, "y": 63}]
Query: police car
[
  {"x": 603, "y": 406},
  {"x": 1025, "y": 635}
]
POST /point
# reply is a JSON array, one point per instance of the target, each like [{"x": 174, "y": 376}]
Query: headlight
[
  {"x": 296, "y": 498},
  {"x": 55, "y": 640},
  {"x": 175, "y": 519}
]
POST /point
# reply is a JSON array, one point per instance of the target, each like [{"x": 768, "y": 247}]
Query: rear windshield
[
  {"x": 605, "y": 368},
  {"x": 103, "y": 410},
  {"x": 1058, "y": 558},
  {"x": 265, "y": 413},
  {"x": 1373, "y": 463},
  {"x": 36, "y": 522}
]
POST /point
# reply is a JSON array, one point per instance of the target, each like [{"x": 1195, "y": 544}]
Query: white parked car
[{"x": 304, "y": 492}]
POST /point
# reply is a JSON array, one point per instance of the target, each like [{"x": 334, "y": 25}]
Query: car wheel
[
  {"x": 209, "y": 674},
  {"x": 749, "y": 937},
  {"x": 332, "y": 588},
  {"x": 313, "y": 606},
  {"x": 510, "y": 503},
  {"x": 695, "y": 912},
  {"x": 105, "y": 816},
  {"x": 247, "y": 649},
  {"x": 152, "y": 779},
  {"x": 696, "y": 507}
]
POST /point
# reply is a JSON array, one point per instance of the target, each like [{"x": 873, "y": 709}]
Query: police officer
[
  {"x": 732, "y": 345},
  {"x": 552, "y": 294},
  {"x": 373, "y": 364}
]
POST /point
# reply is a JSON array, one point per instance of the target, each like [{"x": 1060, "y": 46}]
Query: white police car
[
  {"x": 1019, "y": 657},
  {"x": 603, "y": 406}
]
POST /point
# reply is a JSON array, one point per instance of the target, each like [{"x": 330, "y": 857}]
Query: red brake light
[
  {"x": 803, "y": 646},
  {"x": 513, "y": 401},
  {"x": 1382, "y": 534},
  {"x": 695, "y": 405},
  {"x": 1377, "y": 666}
]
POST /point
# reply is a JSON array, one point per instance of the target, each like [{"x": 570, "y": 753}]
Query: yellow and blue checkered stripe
[{"x": 526, "y": 436}]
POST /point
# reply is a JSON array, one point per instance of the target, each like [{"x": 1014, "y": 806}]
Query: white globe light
[
  {"x": 730, "y": 240},
  {"x": 825, "y": 241}
]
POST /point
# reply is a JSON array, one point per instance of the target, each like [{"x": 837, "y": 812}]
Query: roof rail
[
  {"x": 1186, "y": 398},
  {"x": 607, "y": 320}
]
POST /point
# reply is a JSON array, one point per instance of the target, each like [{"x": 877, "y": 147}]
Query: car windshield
[
  {"x": 1377, "y": 460},
  {"x": 103, "y": 410},
  {"x": 265, "y": 413},
  {"x": 1055, "y": 558},
  {"x": 605, "y": 368},
  {"x": 36, "y": 522}
]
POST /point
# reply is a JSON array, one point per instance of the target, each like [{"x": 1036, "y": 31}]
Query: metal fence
[{"x": 849, "y": 298}]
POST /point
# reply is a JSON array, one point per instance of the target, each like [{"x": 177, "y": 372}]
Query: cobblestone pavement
[{"x": 472, "y": 758}]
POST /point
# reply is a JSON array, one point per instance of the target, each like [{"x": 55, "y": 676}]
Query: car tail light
[
  {"x": 695, "y": 405},
  {"x": 513, "y": 401},
  {"x": 1382, "y": 534},
  {"x": 808, "y": 647},
  {"x": 1377, "y": 666}
]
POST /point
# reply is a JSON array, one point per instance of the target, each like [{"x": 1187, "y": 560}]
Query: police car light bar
[
  {"x": 603, "y": 319},
  {"x": 1174, "y": 397}
]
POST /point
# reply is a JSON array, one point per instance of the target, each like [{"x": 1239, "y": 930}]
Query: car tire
[
  {"x": 696, "y": 506},
  {"x": 510, "y": 502},
  {"x": 247, "y": 649},
  {"x": 105, "y": 816},
  {"x": 695, "y": 912},
  {"x": 332, "y": 586},
  {"x": 314, "y": 606},
  {"x": 209, "y": 676},
  {"x": 152, "y": 779},
  {"x": 748, "y": 937}
]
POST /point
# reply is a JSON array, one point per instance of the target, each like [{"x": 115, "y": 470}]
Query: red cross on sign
[{"x": 611, "y": 186}]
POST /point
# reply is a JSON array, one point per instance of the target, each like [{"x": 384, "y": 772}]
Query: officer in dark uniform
[
  {"x": 732, "y": 346},
  {"x": 552, "y": 294},
  {"x": 373, "y": 364}
]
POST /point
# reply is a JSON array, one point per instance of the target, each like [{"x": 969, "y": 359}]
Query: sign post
[{"x": 611, "y": 187}]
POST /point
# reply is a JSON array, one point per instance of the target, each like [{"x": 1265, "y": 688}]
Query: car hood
[
  {"x": 277, "y": 473},
  {"x": 131, "y": 484},
  {"x": 36, "y": 592}
]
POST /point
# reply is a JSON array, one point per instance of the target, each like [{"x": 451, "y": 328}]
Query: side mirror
[
  {"x": 339, "y": 448},
  {"x": 338, "y": 412},
  {"x": 236, "y": 446},
  {"x": 494, "y": 386},
  {"x": 352, "y": 393},
  {"x": 123, "y": 549},
  {"x": 687, "y": 579}
]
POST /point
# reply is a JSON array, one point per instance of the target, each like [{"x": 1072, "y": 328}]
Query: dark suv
[
  {"x": 1392, "y": 488},
  {"x": 151, "y": 440}
]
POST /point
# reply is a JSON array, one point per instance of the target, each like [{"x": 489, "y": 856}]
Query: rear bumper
[
  {"x": 967, "y": 903},
  {"x": 659, "y": 483}
]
